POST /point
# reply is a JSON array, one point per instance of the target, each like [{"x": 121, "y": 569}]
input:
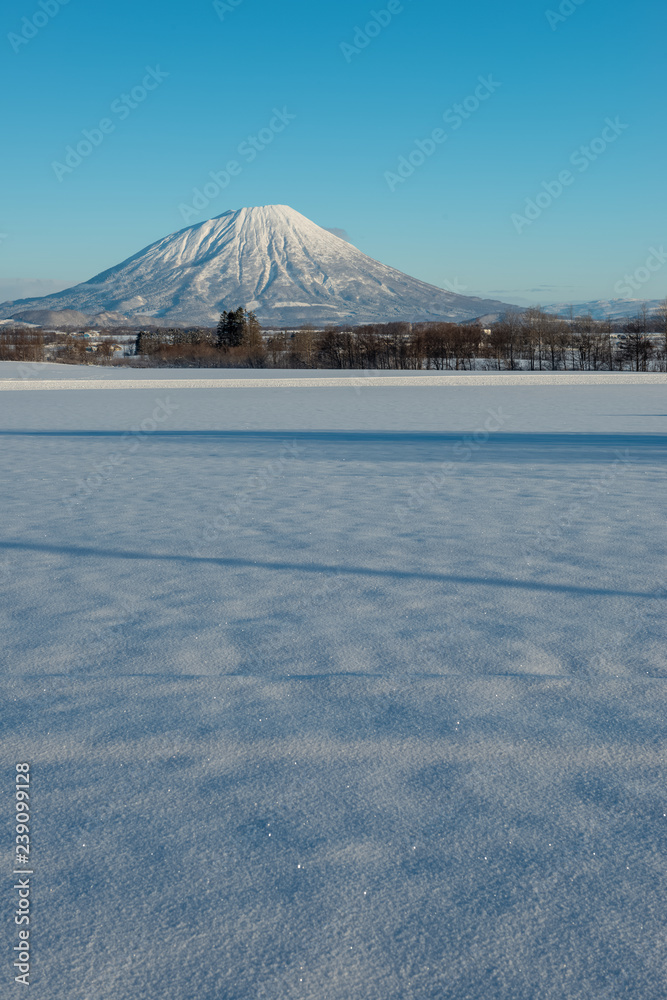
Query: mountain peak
[{"x": 269, "y": 213}]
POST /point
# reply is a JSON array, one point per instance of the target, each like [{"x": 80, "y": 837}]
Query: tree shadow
[{"x": 329, "y": 570}]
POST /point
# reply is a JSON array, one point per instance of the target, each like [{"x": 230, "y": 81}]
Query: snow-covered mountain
[
  {"x": 606, "y": 308},
  {"x": 272, "y": 260}
]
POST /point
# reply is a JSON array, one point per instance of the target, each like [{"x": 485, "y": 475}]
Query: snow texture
[
  {"x": 269, "y": 259},
  {"x": 338, "y": 693},
  {"x": 305, "y": 379}
]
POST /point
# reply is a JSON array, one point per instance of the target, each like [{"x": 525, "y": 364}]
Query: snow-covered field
[{"x": 338, "y": 693}]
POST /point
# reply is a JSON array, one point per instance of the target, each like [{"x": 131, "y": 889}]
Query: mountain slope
[
  {"x": 607, "y": 308},
  {"x": 271, "y": 260}
]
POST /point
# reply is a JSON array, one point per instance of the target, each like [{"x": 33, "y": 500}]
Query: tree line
[
  {"x": 531, "y": 339},
  {"x": 237, "y": 342},
  {"x": 19, "y": 344},
  {"x": 25, "y": 344}
]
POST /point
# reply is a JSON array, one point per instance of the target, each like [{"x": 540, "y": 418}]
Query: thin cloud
[{"x": 341, "y": 233}]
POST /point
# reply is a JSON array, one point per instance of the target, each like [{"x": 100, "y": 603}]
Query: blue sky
[{"x": 360, "y": 102}]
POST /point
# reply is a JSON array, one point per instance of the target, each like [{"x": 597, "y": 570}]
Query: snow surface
[
  {"x": 303, "y": 379},
  {"x": 339, "y": 693},
  {"x": 270, "y": 259}
]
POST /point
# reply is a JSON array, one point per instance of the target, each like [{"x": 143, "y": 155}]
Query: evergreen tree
[{"x": 232, "y": 327}]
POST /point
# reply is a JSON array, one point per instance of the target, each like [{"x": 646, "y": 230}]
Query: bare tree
[
  {"x": 303, "y": 349},
  {"x": 662, "y": 317},
  {"x": 637, "y": 349}
]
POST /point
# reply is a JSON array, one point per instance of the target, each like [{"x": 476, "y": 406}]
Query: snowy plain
[{"x": 339, "y": 693}]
